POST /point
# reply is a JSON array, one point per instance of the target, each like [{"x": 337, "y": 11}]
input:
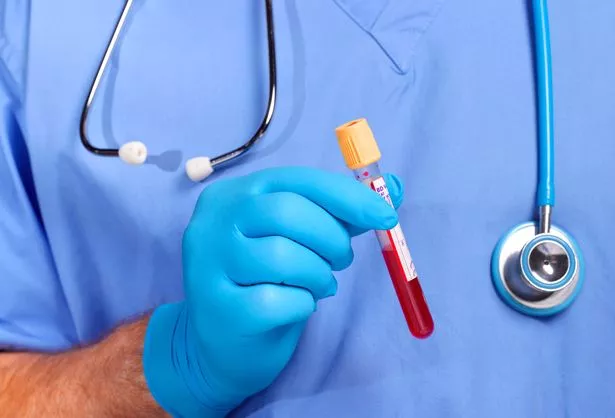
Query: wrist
[{"x": 173, "y": 368}]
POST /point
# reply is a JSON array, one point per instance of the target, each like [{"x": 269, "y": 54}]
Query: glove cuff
[{"x": 171, "y": 366}]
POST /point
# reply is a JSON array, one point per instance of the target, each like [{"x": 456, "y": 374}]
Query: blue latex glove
[{"x": 258, "y": 254}]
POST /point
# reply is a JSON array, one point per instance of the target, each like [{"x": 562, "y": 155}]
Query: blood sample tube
[{"x": 362, "y": 154}]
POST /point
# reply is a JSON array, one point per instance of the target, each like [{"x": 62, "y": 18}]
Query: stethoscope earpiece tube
[
  {"x": 135, "y": 153},
  {"x": 537, "y": 268},
  {"x": 128, "y": 154}
]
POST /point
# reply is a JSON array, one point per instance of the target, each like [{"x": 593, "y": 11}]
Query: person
[{"x": 132, "y": 291}]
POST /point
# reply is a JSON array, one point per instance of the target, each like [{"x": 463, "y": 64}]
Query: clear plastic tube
[{"x": 399, "y": 262}]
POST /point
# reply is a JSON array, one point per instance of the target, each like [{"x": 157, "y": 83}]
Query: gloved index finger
[{"x": 341, "y": 196}]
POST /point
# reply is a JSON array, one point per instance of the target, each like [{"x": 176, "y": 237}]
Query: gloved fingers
[
  {"x": 255, "y": 309},
  {"x": 340, "y": 195},
  {"x": 396, "y": 191},
  {"x": 282, "y": 261},
  {"x": 294, "y": 217}
]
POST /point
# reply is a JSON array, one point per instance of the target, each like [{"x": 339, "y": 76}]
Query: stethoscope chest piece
[{"x": 538, "y": 274}]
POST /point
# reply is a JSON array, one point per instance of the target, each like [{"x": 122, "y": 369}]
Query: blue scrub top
[{"x": 87, "y": 242}]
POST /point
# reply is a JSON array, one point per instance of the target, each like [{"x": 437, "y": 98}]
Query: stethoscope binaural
[
  {"x": 537, "y": 268},
  {"x": 135, "y": 152}
]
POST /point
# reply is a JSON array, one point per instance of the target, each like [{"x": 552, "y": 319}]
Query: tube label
[{"x": 394, "y": 238}]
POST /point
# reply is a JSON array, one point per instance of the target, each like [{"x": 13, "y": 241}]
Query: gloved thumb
[{"x": 396, "y": 191}]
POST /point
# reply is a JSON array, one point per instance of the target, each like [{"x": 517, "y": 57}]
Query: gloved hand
[{"x": 258, "y": 254}]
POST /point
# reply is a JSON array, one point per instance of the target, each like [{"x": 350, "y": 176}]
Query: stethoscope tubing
[
  {"x": 218, "y": 160},
  {"x": 544, "y": 84},
  {"x": 100, "y": 72},
  {"x": 530, "y": 291}
]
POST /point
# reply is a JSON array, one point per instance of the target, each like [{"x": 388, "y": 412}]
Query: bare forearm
[{"x": 103, "y": 380}]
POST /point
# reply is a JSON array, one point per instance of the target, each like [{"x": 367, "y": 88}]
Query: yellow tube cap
[{"x": 357, "y": 144}]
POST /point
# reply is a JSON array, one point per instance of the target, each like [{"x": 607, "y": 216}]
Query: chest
[{"x": 451, "y": 101}]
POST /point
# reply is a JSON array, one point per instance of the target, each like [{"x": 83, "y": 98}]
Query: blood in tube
[{"x": 403, "y": 273}]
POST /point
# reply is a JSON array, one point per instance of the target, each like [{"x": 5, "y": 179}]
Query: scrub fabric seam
[
  {"x": 12, "y": 88},
  {"x": 9, "y": 54},
  {"x": 6, "y": 77},
  {"x": 373, "y": 33}
]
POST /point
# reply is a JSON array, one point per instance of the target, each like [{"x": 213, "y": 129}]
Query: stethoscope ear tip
[
  {"x": 133, "y": 153},
  {"x": 199, "y": 168}
]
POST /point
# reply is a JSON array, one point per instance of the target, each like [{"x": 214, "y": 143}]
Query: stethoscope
[
  {"x": 135, "y": 152},
  {"x": 538, "y": 268}
]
